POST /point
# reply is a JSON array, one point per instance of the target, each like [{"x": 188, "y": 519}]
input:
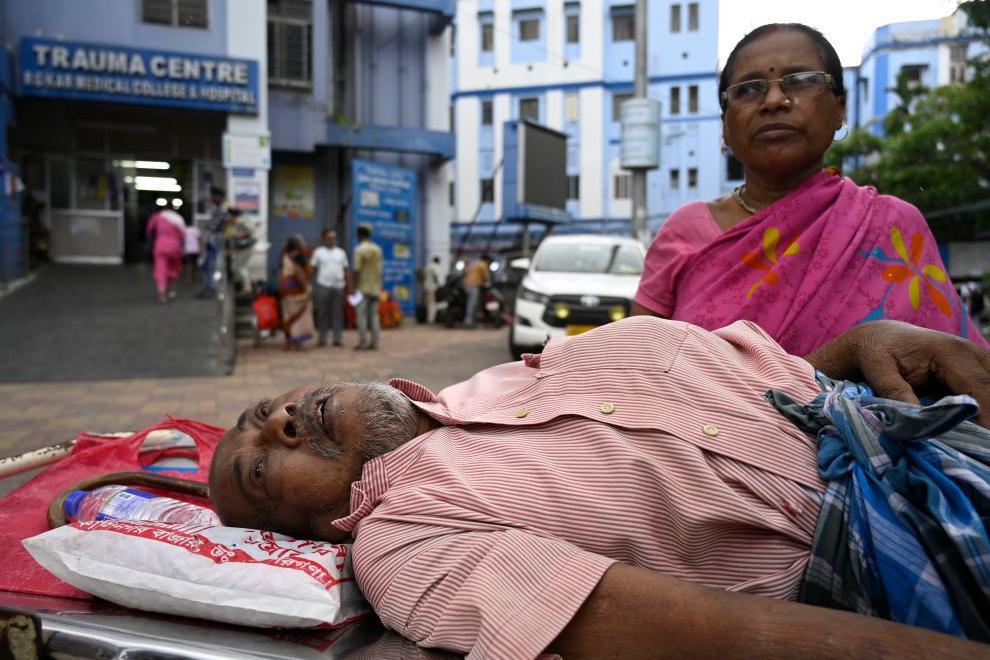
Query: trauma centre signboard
[
  {"x": 118, "y": 74},
  {"x": 385, "y": 197}
]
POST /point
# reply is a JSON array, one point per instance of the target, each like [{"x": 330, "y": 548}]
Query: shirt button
[
  {"x": 522, "y": 412},
  {"x": 607, "y": 408},
  {"x": 710, "y": 430}
]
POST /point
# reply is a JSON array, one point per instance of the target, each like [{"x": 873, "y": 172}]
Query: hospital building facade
[{"x": 310, "y": 115}]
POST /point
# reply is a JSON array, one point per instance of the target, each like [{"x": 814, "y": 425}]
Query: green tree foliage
[{"x": 936, "y": 149}]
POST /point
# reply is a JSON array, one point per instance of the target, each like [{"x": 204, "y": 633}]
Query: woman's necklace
[{"x": 737, "y": 195}]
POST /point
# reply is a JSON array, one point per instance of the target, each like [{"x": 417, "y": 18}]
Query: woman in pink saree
[
  {"x": 167, "y": 230},
  {"x": 802, "y": 251}
]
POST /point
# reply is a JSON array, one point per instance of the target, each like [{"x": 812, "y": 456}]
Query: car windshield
[{"x": 617, "y": 258}]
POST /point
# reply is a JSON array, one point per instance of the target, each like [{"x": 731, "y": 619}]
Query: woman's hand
[{"x": 898, "y": 359}]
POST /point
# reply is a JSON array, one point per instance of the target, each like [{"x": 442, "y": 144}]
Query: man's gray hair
[{"x": 388, "y": 419}]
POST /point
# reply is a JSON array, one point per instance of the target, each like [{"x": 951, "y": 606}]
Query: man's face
[
  {"x": 330, "y": 239},
  {"x": 288, "y": 464}
]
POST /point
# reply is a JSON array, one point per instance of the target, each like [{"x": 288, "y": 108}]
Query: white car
[{"x": 573, "y": 284}]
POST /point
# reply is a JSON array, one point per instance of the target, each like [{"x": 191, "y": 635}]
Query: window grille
[
  {"x": 675, "y": 18},
  {"x": 290, "y": 46},
  {"x": 574, "y": 187},
  {"x": 487, "y": 190},
  {"x": 622, "y": 186},
  {"x": 623, "y": 23},
  {"x": 529, "y": 109},
  {"x": 178, "y": 13}
]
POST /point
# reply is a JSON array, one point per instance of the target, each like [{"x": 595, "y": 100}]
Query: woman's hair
[
  {"x": 831, "y": 59},
  {"x": 295, "y": 243}
]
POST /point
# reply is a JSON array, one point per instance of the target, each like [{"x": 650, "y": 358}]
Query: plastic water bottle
[{"x": 124, "y": 503}]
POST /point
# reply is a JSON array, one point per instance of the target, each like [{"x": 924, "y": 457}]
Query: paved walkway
[
  {"x": 39, "y": 414},
  {"x": 105, "y": 322}
]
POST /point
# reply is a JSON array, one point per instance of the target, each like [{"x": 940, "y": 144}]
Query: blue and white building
[
  {"x": 570, "y": 65},
  {"x": 930, "y": 53},
  {"x": 119, "y": 106}
]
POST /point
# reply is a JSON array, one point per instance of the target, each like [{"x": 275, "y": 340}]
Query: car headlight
[
  {"x": 533, "y": 296},
  {"x": 617, "y": 313}
]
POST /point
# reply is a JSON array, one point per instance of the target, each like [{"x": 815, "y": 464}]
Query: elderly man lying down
[{"x": 605, "y": 498}]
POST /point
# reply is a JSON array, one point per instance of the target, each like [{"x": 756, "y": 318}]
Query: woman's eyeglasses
[{"x": 794, "y": 86}]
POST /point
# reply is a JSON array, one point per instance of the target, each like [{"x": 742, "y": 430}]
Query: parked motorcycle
[{"x": 452, "y": 303}]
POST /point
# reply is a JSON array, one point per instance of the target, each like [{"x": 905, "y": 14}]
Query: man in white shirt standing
[{"x": 331, "y": 264}]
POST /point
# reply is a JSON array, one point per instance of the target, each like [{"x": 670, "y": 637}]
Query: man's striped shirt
[{"x": 645, "y": 441}]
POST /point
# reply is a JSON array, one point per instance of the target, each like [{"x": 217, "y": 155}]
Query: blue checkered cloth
[{"x": 902, "y": 532}]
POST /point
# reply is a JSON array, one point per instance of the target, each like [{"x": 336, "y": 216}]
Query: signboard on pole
[
  {"x": 640, "y": 145},
  {"x": 386, "y": 197}
]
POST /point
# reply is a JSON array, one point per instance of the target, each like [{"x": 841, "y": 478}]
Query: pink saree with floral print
[{"x": 825, "y": 257}]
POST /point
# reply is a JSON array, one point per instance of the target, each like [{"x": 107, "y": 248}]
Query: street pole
[{"x": 639, "y": 174}]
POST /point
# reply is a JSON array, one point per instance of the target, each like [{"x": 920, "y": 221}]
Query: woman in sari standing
[
  {"x": 294, "y": 292},
  {"x": 167, "y": 231},
  {"x": 800, "y": 250}
]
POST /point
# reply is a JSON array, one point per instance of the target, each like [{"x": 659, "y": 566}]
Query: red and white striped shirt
[{"x": 645, "y": 441}]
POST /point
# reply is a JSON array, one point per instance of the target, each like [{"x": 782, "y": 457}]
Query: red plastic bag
[
  {"x": 266, "y": 311},
  {"x": 24, "y": 512}
]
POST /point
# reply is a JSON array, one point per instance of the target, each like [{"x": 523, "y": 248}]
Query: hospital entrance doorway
[{"x": 148, "y": 186}]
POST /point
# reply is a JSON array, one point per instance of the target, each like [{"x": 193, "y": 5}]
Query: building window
[
  {"x": 675, "y": 100},
  {"x": 571, "y": 108},
  {"x": 623, "y": 23},
  {"x": 573, "y": 186},
  {"x": 179, "y": 13},
  {"x": 529, "y": 108},
  {"x": 572, "y": 13},
  {"x": 622, "y": 185},
  {"x": 692, "y": 98},
  {"x": 914, "y": 73},
  {"x": 529, "y": 27},
  {"x": 693, "y": 17},
  {"x": 486, "y": 22},
  {"x": 675, "y": 18},
  {"x": 290, "y": 44},
  {"x": 733, "y": 169},
  {"x": 450, "y": 193},
  {"x": 487, "y": 190},
  {"x": 486, "y": 113},
  {"x": 692, "y": 177},
  {"x": 864, "y": 90},
  {"x": 957, "y": 63},
  {"x": 675, "y": 179},
  {"x": 617, "y": 101}
]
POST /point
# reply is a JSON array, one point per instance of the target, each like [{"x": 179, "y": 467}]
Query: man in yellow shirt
[
  {"x": 478, "y": 275},
  {"x": 368, "y": 275}
]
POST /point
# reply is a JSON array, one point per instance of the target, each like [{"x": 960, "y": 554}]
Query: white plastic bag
[{"x": 228, "y": 574}]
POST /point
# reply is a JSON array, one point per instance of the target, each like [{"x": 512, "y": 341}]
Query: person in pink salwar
[
  {"x": 167, "y": 230},
  {"x": 802, "y": 251}
]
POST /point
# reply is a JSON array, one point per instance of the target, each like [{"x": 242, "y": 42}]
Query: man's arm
[
  {"x": 639, "y": 613},
  {"x": 897, "y": 359}
]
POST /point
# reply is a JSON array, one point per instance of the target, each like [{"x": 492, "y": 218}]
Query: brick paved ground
[{"x": 39, "y": 414}]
